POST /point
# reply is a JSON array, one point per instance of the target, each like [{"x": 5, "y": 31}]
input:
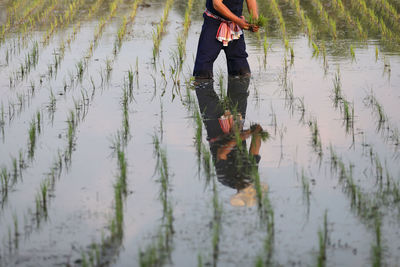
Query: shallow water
[{"x": 82, "y": 202}]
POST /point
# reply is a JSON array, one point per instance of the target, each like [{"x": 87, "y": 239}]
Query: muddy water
[{"x": 81, "y": 203}]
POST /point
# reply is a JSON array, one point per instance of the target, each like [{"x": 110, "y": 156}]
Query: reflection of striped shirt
[{"x": 227, "y": 31}]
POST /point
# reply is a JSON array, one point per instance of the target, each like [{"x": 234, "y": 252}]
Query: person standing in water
[{"x": 222, "y": 29}]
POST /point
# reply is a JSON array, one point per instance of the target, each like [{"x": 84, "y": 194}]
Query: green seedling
[
  {"x": 323, "y": 241},
  {"x": 199, "y": 136},
  {"x": 5, "y": 181},
  {"x": 44, "y": 195},
  {"x": 32, "y": 139},
  {"x": 261, "y": 21},
  {"x": 80, "y": 69},
  {"x": 216, "y": 224},
  {"x": 15, "y": 171},
  {"x": 352, "y": 53},
  {"x": 130, "y": 80},
  {"x": 315, "y": 139},
  {"x": 39, "y": 121},
  {"x": 377, "y": 249},
  {"x": 16, "y": 231},
  {"x": 206, "y": 163},
  {"x": 337, "y": 89},
  {"x": 315, "y": 49},
  {"x": 265, "y": 46},
  {"x": 306, "y": 187},
  {"x": 72, "y": 123},
  {"x": 2, "y": 116}
]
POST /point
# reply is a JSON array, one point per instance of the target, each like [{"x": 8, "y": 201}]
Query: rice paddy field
[{"x": 104, "y": 156}]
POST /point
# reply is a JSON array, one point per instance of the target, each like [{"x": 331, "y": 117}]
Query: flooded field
[{"x": 112, "y": 154}]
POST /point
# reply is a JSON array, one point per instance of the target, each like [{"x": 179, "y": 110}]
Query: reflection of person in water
[{"x": 235, "y": 166}]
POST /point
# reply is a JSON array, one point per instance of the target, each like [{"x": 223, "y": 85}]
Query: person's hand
[
  {"x": 243, "y": 24},
  {"x": 256, "y": 128},
  {"x": 245, "y": 134},
  {"x": 254, "y": 28}
]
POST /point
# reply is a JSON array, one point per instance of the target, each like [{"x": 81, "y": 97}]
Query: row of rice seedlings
[
  {"x": 268, "y": 219},
  {"x": 59, "y": 56},
  {"x": 78, "y": 107},
  {"x": 198, "y": 140},
  {"x": 388, "y": 192},
  {"x": 122, "y": 30},
  {"x": 179, "y": 55},
  {"x": 12, "y": 242},
  {"x": 377, "y": 248},
  {"x": 363, "y": 204},
  {"x": 310, "y": 31},
  {"x": 15, "y": 107},
  {"x": 10, "y": 177},
  {"x": 55, "y": 171},
  {"x": 42, "y": 197},
  {"x": 340, "y": 101},
  {"x": 216, "y": 224},
  {"x": 59, "y": 22},
  {"x": 63, "y": 20},
  {"x": 60, "y": 51},
  {"x": 387, "y": 11},
  {"x": 181, "y": 39},
  {"x": 159, "y": 251},
  {"x": 31, "y": 60},
  {"x": 13, "y": 9},
  {"x": 157, "y": 34},
  {"x": 305, "y": 20},
  {"x": 28, "y": 27},
  {"x": 61, "y": 162},
  {"x": 278, "y": 13},
  {"x": 331, "y": 23},
  {"x": 344, "y": 12},
  {"x": 83, "y": 63},
  {"x": 40, "y": 18},
  {"x": 25, "y": 14},
  {"x": 368, "y": 209},
  {"x": 323, "y": 240},
  {"x": 28, "y": 11},
  {"x": 374, "y": 22},
  {"x": 120, "y": 188},
  {"x": 292, "y": 102}
]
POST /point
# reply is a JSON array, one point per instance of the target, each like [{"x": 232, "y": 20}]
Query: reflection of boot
[{"x": 247, "y": 196}]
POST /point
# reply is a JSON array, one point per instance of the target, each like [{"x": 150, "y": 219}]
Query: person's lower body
[{"x": 209, "y": 48}]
